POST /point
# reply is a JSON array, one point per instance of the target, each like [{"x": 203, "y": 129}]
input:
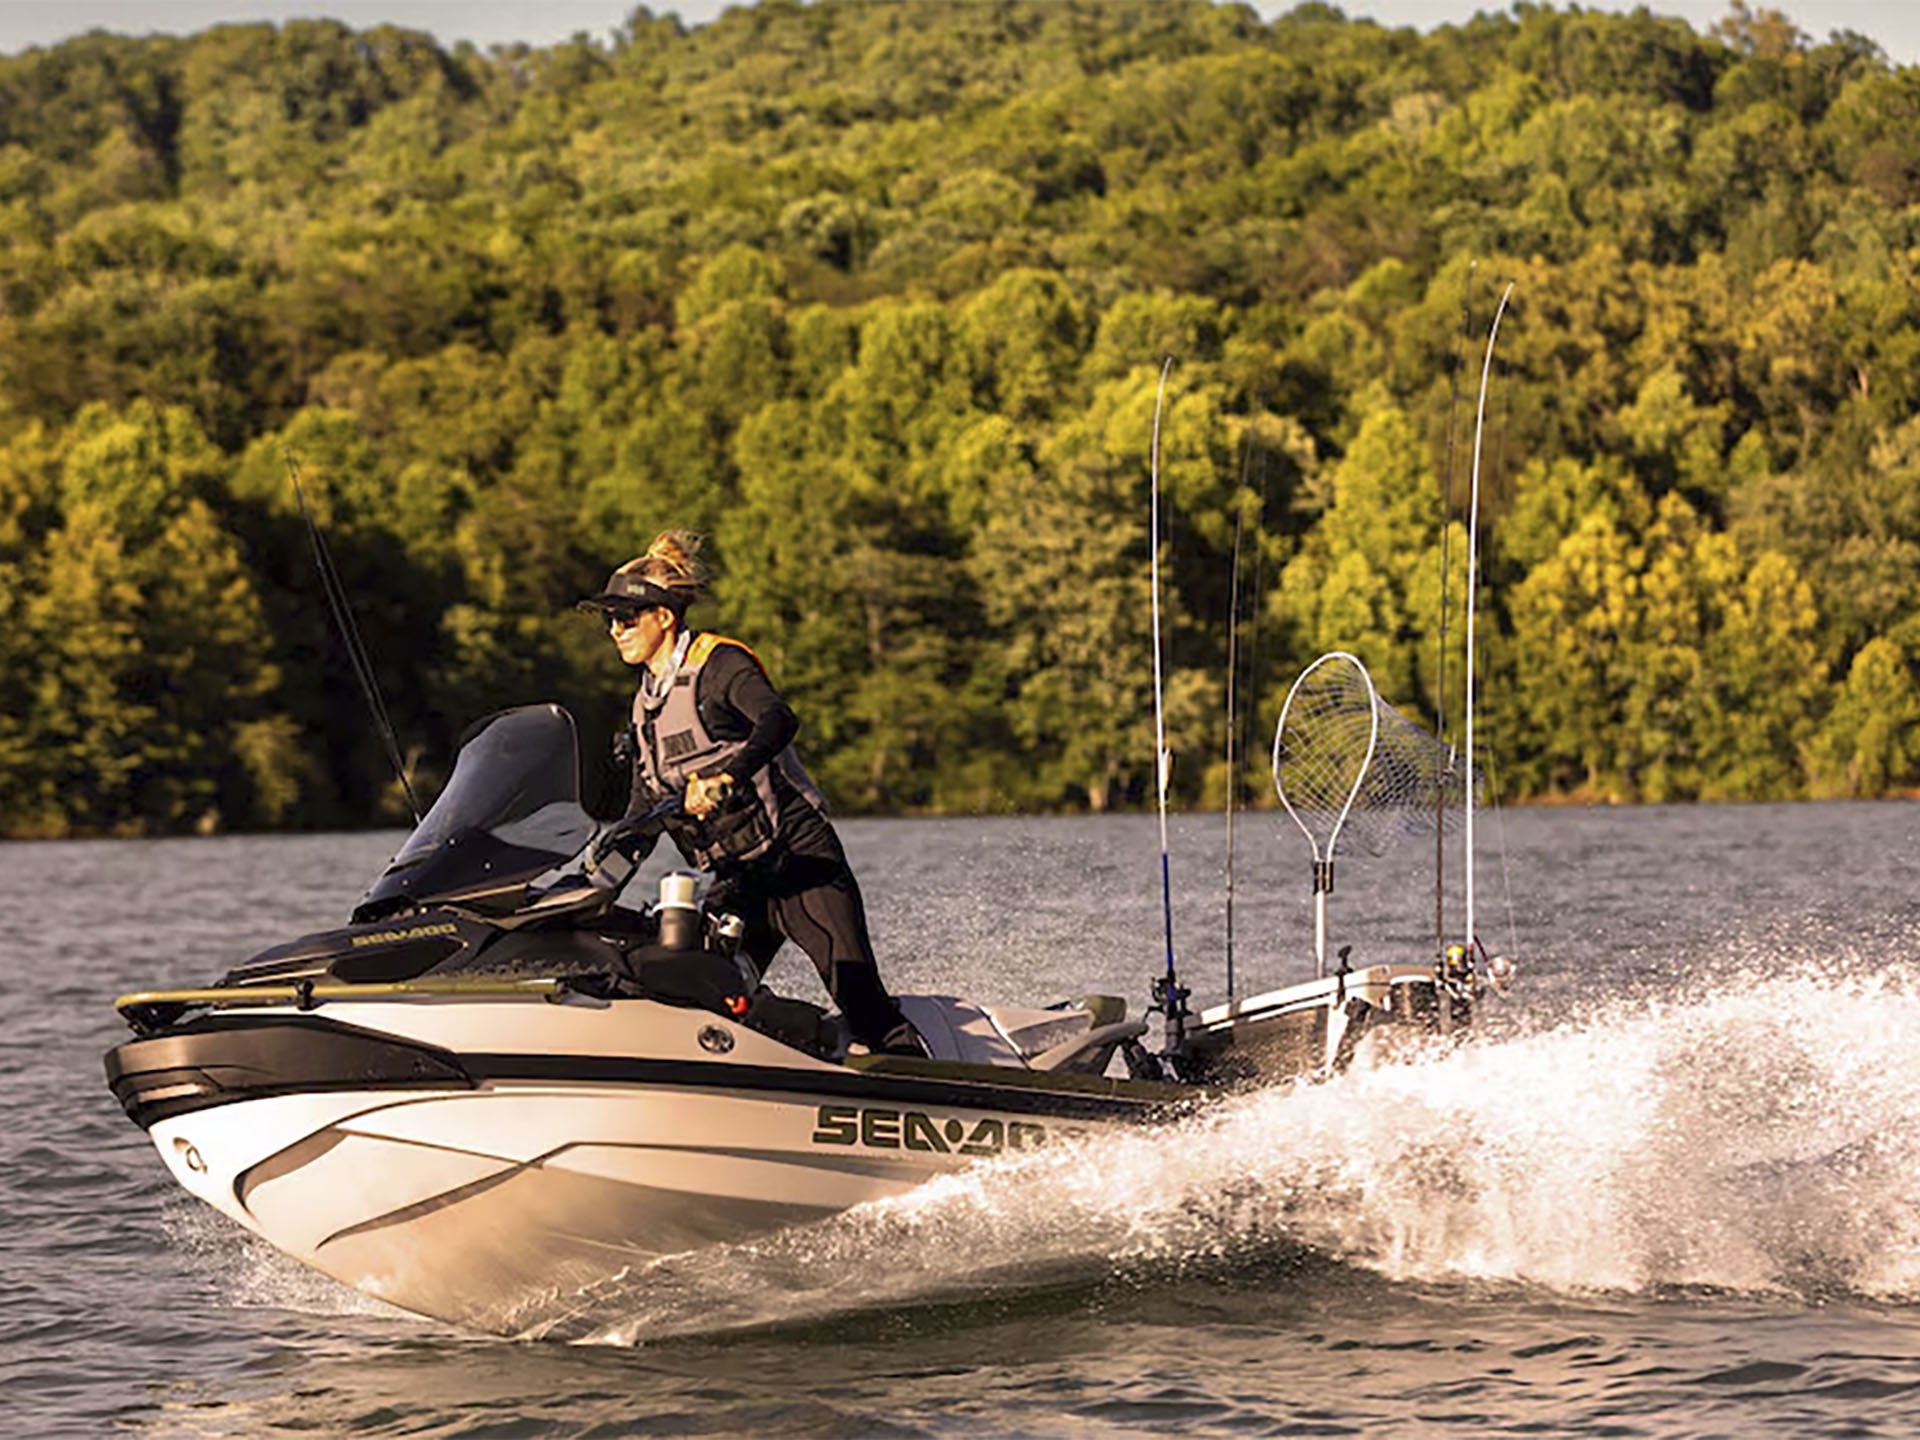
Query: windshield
[
  {"x": 517, "y": 778},
  {"x": 510, "y": 812}
]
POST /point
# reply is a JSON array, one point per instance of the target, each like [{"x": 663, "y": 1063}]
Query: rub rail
[{"x": 145, "y": 1007}]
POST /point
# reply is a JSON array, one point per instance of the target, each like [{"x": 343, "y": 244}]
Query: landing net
[{"x": 1356, "y": 775}]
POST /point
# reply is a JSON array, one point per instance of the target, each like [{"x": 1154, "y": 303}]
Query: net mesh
[{"x": 1330, "y": 762}]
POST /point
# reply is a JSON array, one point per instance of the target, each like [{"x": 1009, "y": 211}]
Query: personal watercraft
[{"x": 496, "y": 1087}]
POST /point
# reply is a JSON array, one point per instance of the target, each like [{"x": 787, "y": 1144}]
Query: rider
[{"x": 708, "y": 726}]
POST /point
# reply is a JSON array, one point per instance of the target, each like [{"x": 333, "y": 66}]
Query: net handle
[{"x": 1360, "y": 774}]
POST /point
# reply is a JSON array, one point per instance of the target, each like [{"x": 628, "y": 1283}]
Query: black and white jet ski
[{"x": 496, "y": 1087}]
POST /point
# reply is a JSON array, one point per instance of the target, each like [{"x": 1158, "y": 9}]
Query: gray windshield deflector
[{"x": 511, "y": 811}]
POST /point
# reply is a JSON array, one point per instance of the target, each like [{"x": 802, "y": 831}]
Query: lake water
[{"x": 1671, "y": 1187}]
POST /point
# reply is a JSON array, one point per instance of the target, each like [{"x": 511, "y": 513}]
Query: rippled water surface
[{"x": 1671, "y": 1187}]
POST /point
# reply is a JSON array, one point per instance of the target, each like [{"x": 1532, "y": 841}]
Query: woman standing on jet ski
[{"x": 708, "y": 726}]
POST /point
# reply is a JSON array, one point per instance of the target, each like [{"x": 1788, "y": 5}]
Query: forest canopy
[{"x": 876, "y": 297}]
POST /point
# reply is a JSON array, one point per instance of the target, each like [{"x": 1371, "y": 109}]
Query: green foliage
[
  {"x": 1870, "y": 741},
  {"x": 1349, "y": 588},
  {"x": 877, "y": 295}
]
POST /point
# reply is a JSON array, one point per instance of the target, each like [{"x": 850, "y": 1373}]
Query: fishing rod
[
  {"x": 1233, "y": 662},
  {"x": 336, "y": 592},
  {"x": 1473, "y": 581},
  {"x": 1259, "y": 592},
  {"x": 1167, "y": 994},
  {"x": 1446, "y": 620},
  {"x": 1233, "y": 669}
]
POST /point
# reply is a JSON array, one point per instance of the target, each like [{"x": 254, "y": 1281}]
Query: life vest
[{"x": 673, "y": 745}]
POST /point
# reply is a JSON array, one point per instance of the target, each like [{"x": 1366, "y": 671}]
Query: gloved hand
[{"x": 704, "y": 792}]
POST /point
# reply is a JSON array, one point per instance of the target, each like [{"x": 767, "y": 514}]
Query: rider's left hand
[{"x": 704, "y": 792}]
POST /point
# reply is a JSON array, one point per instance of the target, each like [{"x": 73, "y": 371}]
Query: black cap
[{"x": 628, "y": 591}]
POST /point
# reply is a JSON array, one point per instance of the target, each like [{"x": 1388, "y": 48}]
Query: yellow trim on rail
[{"x": 304, "y": 995}]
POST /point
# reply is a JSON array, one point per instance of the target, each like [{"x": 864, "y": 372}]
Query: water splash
[{"x": 1762, "y": 1139}]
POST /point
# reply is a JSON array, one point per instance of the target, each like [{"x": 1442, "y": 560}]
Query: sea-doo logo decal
[
  {"x": 882, "y": 1129},
  {"x": 417, "y": 932}
]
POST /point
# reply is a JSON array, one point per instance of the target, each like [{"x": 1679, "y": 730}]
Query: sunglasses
[{"x": 624, "y": 619}]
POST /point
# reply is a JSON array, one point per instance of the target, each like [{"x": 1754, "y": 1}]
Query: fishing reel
[
  {"x": 1500, "y": 973},
  {"x": 1170, "y": 1000},
  {"x": 1462, "y": 970}
]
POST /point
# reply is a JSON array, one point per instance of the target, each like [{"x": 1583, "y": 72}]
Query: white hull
[
  {"x": 482, "y": 1218},
  {"x": 492, "y": 1206}
]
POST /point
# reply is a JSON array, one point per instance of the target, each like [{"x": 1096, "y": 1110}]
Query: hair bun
[
  {"x": 670, "y": 564},
  {"x": 676, "y": 547}
]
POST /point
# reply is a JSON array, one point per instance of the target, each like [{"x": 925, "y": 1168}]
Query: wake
[{"x": 1762, "y": 1140}]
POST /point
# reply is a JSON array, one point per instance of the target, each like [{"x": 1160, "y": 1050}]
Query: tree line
[{"x": 876, "y": 297}]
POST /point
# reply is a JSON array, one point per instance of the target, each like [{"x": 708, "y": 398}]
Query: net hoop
[{"x": 1334, "y": 657}]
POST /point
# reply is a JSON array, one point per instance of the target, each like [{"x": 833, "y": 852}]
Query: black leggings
[{"x": 814, "y": 901}]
